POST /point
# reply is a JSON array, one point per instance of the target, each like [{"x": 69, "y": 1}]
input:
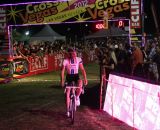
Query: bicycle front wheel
[{"x": 72, "y": 111}]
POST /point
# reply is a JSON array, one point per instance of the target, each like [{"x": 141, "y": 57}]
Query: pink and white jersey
[{"x": 72, "y": 65}]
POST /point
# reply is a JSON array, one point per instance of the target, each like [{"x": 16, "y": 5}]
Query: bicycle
[{"x": 72, "y": 105}]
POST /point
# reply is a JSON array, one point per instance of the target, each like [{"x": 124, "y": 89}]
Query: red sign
[
  {"x": 135, "y": 13},
  {"x": 38, "y": 63},
  {"x": 100, "y": 26},
  {"x": 120, "y": 23}
]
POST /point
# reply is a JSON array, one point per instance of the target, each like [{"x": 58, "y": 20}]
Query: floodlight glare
[{"x": 27, "y": 33}]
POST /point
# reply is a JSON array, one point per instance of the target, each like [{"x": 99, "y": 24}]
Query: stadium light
[{"x": 27, "y": 33}]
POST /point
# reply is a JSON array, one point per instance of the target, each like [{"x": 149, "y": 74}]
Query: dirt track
[
  {"x": 46, "y": 119},
  {"x": 51, "y": 116}
]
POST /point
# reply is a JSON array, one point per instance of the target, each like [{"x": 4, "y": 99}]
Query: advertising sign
[
  {"x": 38, "y": 63},
  {"x": 135, "y": 13},
  {"x": 3, "y": 32},
  {"x": 6, "y": 69},
  {"x": 3, "y": 21},
  {"x": 21, "y": 66},
  {"x": 67, "y": 11}
]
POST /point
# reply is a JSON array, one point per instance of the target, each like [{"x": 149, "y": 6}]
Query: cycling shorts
[{"x": 72, "y": 78}]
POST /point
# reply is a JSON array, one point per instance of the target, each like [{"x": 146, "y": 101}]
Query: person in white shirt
[{"x": 71, "y": 65}]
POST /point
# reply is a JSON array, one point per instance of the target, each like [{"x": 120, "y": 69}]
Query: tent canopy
[
  {"x": 113, "y": 31},
  {"x": 47, "y": 34}
]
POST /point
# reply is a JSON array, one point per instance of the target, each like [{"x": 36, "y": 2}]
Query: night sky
[{"x": 149, "y": 21}]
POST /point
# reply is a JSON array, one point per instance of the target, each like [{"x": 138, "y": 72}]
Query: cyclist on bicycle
[{"x": 72, "y": 64}]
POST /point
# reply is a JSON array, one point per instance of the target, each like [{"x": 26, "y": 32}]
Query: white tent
[
  {"x": 47, "y": 34},
  {"x": 113, "y": 31}
]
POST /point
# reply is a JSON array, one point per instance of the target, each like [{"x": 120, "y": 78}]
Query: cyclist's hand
[{"x": 85, "y": 82}]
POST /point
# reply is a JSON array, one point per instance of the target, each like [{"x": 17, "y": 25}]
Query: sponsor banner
[
  {"x": 48, "y": 63},
  {"x": 6, "y": 69},
  {"x": 135, "y": 16},
  {"x": 135, "y": 21},
  {"x": 133, "y": 101},
  {"x": 38, "y": 63},
  {"x": 21, "y": 66},
  {"x": 4, "y": 46},
  {"x": 67, "y": 11},
  {"x": 58, "y": 60}
]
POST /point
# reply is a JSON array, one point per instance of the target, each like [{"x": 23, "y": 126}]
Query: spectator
[{"x": 137, "y": 61}]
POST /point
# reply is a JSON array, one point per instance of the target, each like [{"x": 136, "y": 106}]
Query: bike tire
[{"x": 72, "y": 110}]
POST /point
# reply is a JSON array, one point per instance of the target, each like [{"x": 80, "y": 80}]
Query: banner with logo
[
  {"x": 4, "y": 47},
  {"x": 135, "y": 13},
  {"x": 136, "y": 20},
  {"x": 6, "y": 69},
  {"x": 67, "y": 11}
]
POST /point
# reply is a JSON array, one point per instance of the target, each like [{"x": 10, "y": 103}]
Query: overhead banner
[{"x": 67, "y": 11}]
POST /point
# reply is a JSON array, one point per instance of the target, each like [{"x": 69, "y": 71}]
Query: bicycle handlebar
[{"x": 74, "y": 87}]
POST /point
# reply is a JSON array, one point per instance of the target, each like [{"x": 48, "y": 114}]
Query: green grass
[{"x": 35, "y": 91}]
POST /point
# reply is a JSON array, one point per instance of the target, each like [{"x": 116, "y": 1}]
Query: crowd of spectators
[
  {"x": 114, "y": 54},
  {"x": 134, "y": 59}
]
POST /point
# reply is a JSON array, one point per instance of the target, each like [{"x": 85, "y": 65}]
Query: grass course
[{"x": 37, "y": 91}]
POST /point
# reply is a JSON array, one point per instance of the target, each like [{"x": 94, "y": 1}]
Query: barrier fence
[
  {"x": 134, "y": 102},
  {"x": 21, "y": 67}
]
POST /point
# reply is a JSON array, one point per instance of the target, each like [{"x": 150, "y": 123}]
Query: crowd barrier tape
[{"x": 134, "y": 102}]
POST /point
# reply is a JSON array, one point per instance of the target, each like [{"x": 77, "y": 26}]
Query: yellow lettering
[
  {"x": 54, "y": 10},
  {"x": 49, "y": 5},
  {"x": 46, "y": 13},
  {"x": 5, "y": 69},
  {"x": 55, "y": 3},
  {"x": 109, "y": 10},
  {"x": 93, "y": 14},
  {"x": 101, "y": 13},
  {"x": 24, "y": 18},
  {"x": 32, "y": 17},
  {"x": 125, "y": 6},
  {"x": 39, "y": 17},
  {"x": 118, "y": 8},
  {"x": 113, "y": 2},
  {"x": 99, "y": 4},
  {"x": 42, "y": 6},
  {"x": 36, "y": 9},
  {"x": 120, "y": 1},
  {"x": 106, "y": 3},
  {"x": 29, "y": 9}
]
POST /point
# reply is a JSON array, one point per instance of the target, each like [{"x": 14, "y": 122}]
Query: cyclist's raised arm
[{"x": 83, "y": 73}]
